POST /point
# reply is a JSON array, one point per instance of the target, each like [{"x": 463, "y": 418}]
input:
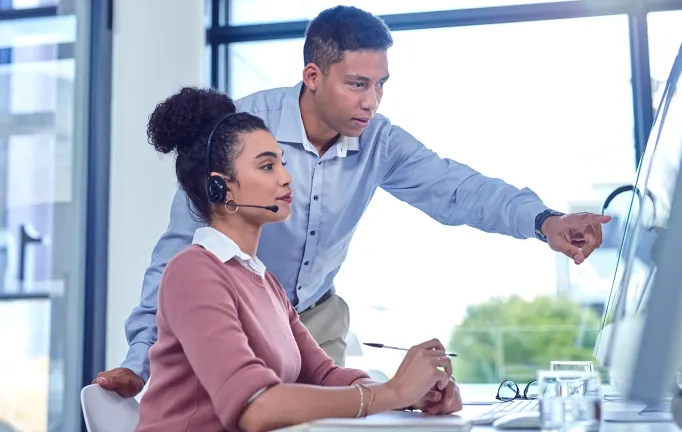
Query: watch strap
[{"x": 540, "y": 220}]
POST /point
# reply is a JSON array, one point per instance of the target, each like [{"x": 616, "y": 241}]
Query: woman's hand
[
  {"x": 445, "y": 401},
  {"x": 419, "y": 373}
]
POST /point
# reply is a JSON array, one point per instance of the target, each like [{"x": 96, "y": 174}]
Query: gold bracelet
[
  {"x": 371, "y": 398},
  {"x": 362, "y": 399}
]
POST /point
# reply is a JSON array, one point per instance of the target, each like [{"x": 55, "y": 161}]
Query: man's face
[{"x": 349, "y": 96}]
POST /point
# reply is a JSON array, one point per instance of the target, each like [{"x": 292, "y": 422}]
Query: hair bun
[{"x": 180, "y": 122}]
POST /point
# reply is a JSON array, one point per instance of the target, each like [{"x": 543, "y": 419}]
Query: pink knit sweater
[{"x": 225, "y": 333}]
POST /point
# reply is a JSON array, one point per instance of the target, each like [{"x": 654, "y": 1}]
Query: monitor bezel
[
  {"x": 658, "y": 353},
  {"x": 615, "y": 307}
]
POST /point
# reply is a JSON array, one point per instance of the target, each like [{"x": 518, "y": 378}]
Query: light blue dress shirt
[{"x": 330, "y": 194}]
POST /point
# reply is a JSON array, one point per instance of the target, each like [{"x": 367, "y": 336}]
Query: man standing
[{"x": 339, "y": 151}]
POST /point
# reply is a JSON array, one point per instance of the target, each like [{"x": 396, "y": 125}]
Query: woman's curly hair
[{"x": 182, "y": 124}]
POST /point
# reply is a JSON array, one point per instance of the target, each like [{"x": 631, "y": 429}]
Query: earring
[{"x": 235, "y": 204}]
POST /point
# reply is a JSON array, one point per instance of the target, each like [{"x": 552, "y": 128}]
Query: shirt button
[
  {"x": 299, "y": 288},
  {"x": 312, "y": 233},
  {"x": 306, "y": 263},
  {"x": 319, "y": 163},
  {"x": 316, "y": 197}
]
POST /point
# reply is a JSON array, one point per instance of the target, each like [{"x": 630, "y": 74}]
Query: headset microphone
[{"x": 272, "y": 208}]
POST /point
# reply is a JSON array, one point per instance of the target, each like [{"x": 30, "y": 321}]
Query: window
[
  {"x": 268, "y": 11},
  {"x": 665, "y": 39},
  {"x": 26, "y": 4},
  {"x": 255, "y": 66},
  {"x": 37, "y": 31},
  {"x": 39, "y": 205},
  {"x": 539, "y": 104}
]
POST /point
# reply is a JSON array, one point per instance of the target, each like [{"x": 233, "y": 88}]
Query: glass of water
[{"x": 570, "y": 400}]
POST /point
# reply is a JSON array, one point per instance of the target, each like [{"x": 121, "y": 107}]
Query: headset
[{"x": 216, "y": 186}]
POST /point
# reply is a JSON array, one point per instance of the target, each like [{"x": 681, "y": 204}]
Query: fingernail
[{"x": 103, "y": 380}]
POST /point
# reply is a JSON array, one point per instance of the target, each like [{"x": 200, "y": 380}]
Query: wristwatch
[{"x": 540, "y": 219}]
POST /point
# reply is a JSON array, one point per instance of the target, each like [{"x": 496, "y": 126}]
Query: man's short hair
[{"x": 340, "y": 29}]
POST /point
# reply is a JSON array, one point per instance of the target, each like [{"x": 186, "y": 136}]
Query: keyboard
[{"x": 500, "y": 410}]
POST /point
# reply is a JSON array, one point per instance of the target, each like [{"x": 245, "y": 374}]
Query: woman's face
[{"x": 261, "y": 179}]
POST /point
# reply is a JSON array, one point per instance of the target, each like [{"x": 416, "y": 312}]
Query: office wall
[{"x": 158, "y": 46}]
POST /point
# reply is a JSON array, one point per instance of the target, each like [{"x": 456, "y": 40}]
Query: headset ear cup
[{"x": 216, "y": 189}]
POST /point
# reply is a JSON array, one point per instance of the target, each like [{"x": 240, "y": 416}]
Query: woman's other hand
[
  {"x": 424, "y": 369},
  {"x": 437, "y": 402}
]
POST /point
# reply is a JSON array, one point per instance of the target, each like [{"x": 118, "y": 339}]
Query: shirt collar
[
  {"x": 346, "y": 144},
  {"x": 224, "y": 248},
  {"x": 291, "y": 130}
]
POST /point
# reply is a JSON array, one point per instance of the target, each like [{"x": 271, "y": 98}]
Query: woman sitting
[{"x": 231, "y": 352}]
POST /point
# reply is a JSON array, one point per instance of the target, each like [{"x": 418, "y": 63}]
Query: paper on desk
[{"x": 396, "y": 420}]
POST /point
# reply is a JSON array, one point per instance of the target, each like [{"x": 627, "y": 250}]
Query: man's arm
[
  {"x": 140, "y": 327},
  {"x": 453, "y": 193}
]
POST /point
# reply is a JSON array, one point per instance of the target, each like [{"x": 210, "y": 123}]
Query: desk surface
[{"x": 471, "y": 411}]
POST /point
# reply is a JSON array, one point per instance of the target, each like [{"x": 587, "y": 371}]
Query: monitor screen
[{"x": 647, "y": 216}]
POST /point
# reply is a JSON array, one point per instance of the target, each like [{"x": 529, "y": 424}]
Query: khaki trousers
[{"x": 328, "y": 323}]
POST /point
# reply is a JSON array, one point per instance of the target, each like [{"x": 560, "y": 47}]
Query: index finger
[
  {"x": 448, "y": 367},
  {"x": 432, "y": 344},
  {"x": 445, "y": 362},
  {"x": 588, "y": 219}
]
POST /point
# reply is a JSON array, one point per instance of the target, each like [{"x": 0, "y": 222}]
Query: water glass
[
  {"x": 584, "y": 366},
  {"x": 570, "y": 401}
]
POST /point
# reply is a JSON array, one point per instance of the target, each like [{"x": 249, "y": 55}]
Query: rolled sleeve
[
  {"x": 453, "y": 193},
  {"x": 525, "y": 218},
  {"x": 237, "y": 392},
  {"x": 137, "y": 360}
]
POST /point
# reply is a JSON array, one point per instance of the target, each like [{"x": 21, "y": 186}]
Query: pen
[{"x": 378, "y": 345}]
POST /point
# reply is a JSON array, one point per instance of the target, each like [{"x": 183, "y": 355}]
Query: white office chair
[
  {"x": 106, "y": 411},
  {"x": 6, "y": 427}
]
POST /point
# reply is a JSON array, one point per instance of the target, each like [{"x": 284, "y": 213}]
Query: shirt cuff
[
  {"x": 239, "y": 390},
  {"x": 137, "y": 360},
  {"x": 525, "y": 217}
]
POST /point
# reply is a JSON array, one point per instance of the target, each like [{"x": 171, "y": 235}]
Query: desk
[
  {"x": 393, "y": 420},
  {"x": 470, "y": 411}
]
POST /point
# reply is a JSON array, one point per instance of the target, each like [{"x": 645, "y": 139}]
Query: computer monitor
[{"x": 641, "y": 337}]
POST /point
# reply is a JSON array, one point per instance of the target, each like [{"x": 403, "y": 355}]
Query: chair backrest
[
  {"x": 6, "y": 427},
  {"x": 106, "y": 411}
]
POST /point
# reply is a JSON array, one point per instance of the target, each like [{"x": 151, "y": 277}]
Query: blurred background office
[{"x": 558, "y": 96}]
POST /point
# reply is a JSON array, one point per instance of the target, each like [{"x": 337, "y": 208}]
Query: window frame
[
  {"x": 95, "y": 108},
  {"x": 220, "y": 35}
]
